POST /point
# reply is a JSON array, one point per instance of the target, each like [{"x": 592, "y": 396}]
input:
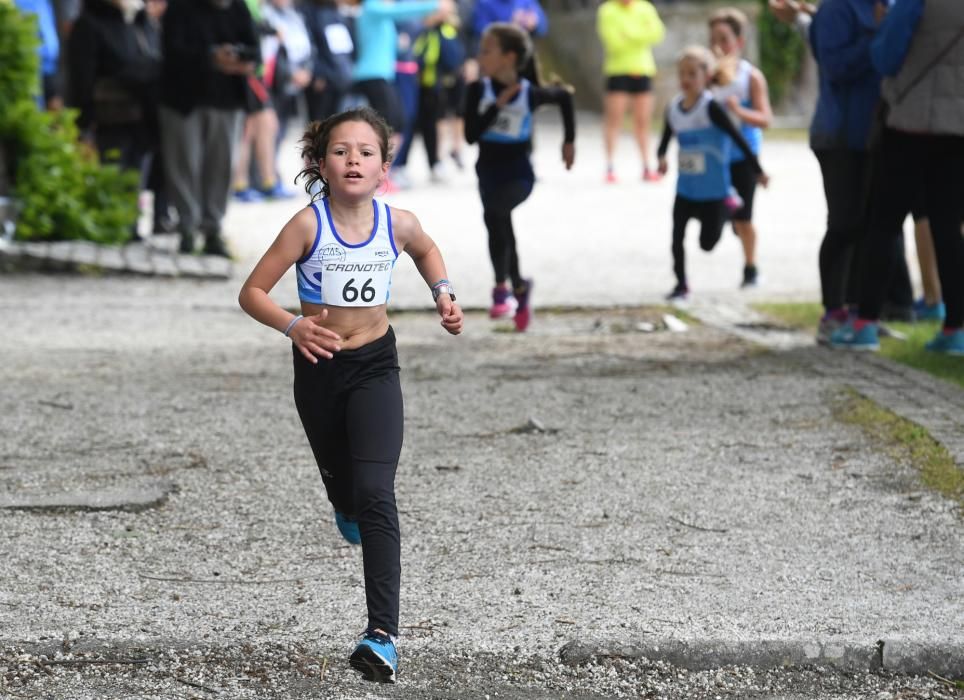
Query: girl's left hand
[
  {"x": 451, "y": 314},
  {"x": 568, "y": 154},
  {"x": 763, "y": 179}
]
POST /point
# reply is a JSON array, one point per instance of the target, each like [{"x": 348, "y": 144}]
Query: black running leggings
[
  {"x": 909, "y": 161},
  {"x": 351, "y": 409},
  {"x": 498, "y": 201},
  {"x": 712, "y": 216}
]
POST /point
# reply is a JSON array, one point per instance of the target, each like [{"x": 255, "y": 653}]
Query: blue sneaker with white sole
[
  {"x": 348, "y": 527},
  {"x": 929, "y": 312},
  {"x": 375, "y": 657},
  {"x": 947, "y": 343},
  {"x": 847, "y": 337}
]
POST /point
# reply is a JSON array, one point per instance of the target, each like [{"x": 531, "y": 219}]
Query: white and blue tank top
[
  {"x": 338, "y": 273},
  {"x": 704, "y": 151},
  {"x": 514, "y": 122},
  {"x": 740, "y": 86}
]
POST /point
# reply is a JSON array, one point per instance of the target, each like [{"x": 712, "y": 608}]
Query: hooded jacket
[
  {"x": 923, "y": 98},
  {"x": 840, "y": 37}
]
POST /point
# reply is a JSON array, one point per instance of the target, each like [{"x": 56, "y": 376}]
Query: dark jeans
[
  {"x": 908, "y": 160},
  {"x": 323, "y": 104},
  {"x": 406, "y": 85},
  {"x": 498, "y": 201},
  {"x": 711, "y": 214},
  {"x": 351, "y": 410}
]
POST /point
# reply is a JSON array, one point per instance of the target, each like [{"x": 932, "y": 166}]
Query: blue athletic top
[
  {"x": 741, "y": 88},
  {"x": 338, "y": 273},
  {"x": 706, "y": 135}
]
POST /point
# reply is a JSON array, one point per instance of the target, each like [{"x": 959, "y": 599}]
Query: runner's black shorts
[
  {"x": 743, "y": 179},
  {"x": 633, "y": 84}
]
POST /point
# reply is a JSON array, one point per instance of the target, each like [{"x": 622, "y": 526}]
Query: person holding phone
[{"x": 210, "y": 47}]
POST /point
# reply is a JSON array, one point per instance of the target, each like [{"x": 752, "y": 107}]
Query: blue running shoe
[
  {"x": 248, "y": 195},
  {"x": 848, "y": 337},
  {"x": 375, "y": 658},
  {"x": 947, "y": 343},
  {"x": 277, "y": 191},
  {"x": 348, "y": 527},
  {"x": 929, "y": 312}
]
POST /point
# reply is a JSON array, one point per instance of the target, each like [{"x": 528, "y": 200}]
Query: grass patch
[
  {"x": 906, "y": 441},
  {"x": 910, "y": 352}
]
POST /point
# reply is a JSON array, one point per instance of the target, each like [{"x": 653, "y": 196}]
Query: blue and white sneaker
[
  {"x": 947, "y": 343},
  {"x": 929, "y": 312},
  {"x": 375, "y": 657},
  {"x": 348, "y": 527},
  {"x": 847, "y": 337}
]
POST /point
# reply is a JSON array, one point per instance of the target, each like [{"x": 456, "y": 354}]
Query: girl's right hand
[
  {"x": 313, "y": 339},
  {"x": 663, "y": 166}
]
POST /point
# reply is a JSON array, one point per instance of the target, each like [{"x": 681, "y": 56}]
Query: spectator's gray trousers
[{"x": 198, "y": 149}]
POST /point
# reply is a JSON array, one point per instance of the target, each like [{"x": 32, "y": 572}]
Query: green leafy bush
[
  {"x": 781, "y": 53},
  {"x": 62, "y": 189}
]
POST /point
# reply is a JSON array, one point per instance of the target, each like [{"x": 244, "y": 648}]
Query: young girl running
[
  {"x": 346, "y": 387},
  {"x": 704, "y": 132},
  {"x": 747, "y": 98},
  {"x": 498, "y": 115}
]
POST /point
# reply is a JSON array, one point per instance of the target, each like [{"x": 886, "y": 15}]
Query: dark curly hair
[{"x": 314, "y": 144}]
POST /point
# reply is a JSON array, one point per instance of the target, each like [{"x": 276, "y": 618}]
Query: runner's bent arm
[
  {"x": 410, "y": 237},
  {"x": 475, "y": 123},
  {"x": 288, "y": 248}
]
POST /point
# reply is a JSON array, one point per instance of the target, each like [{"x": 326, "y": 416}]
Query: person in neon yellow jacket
[{"x": 628, "y": 29}]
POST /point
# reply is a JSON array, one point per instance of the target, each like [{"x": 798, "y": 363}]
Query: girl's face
[
  {"x": 353, "y": 165},
  {"x": 724, "y": 41},
  {"x": 692, "y": 76},
  {"x": 492, "y": 60}
]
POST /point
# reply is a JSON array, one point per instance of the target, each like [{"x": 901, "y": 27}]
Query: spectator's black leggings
[
  {"x": 498, "y": 201},
  {"x": 846, "y": 182},
  {"x": 909, "y": 161},
  {"x": 351, "y": 409},
  {"x": 711, "y": 214}
]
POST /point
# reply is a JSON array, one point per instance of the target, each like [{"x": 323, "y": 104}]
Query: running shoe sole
[{"x": 372, "y": 666}]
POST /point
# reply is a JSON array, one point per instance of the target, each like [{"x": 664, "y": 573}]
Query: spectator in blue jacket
[
  {"x": 527, "y": 14},
  {"x": 921, "y": 50},
  {"x": 49, "y": 50},
  {"x": 849, "y": 88}
]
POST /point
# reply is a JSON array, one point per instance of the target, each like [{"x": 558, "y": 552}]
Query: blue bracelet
[
  {"x": 440, "y": 282},
  {"x": 292, "y": 324}
]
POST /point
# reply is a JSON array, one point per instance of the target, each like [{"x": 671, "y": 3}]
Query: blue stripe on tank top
[
  {"x": 317, "y": 235},
  {"x": 391, "y": 232}
]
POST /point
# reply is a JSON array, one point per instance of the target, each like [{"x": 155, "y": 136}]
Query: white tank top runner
[{"x": 337, "y": 273}]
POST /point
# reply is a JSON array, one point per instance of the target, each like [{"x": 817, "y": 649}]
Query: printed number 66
[{"x": 350, "y": 293}]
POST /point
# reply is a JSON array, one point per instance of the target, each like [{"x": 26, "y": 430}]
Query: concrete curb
[
  {"x": 945, "y": 658},
  {"x": 132, "y": 259}
]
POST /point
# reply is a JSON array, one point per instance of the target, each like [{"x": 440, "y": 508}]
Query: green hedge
[
  {"x": 781, "y": 53},
  {"x": 63, "y": 191}
]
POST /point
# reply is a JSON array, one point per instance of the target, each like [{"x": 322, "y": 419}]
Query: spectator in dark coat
[
  {"x": 115, "y": 65},
  {"x": 210, "y": 46}
]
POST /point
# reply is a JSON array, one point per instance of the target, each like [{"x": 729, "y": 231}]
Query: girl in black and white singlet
[
  {"x": 346, "y": 386},
  {"x": 498, "y": 115}
]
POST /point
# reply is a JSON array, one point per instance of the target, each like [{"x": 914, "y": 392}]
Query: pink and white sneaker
[{"x": 503, "y": 303}]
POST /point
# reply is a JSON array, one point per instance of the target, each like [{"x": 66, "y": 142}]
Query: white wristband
[{"x": 292, "y": 324}]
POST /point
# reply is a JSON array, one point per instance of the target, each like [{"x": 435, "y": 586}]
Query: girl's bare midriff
[{"x": 357, "y": 326}]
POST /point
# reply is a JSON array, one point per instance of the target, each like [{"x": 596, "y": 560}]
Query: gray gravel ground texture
[{"x": 584, "y": 483}]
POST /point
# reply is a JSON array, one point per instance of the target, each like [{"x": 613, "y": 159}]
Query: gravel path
[{"x": 589, "y": 482}]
